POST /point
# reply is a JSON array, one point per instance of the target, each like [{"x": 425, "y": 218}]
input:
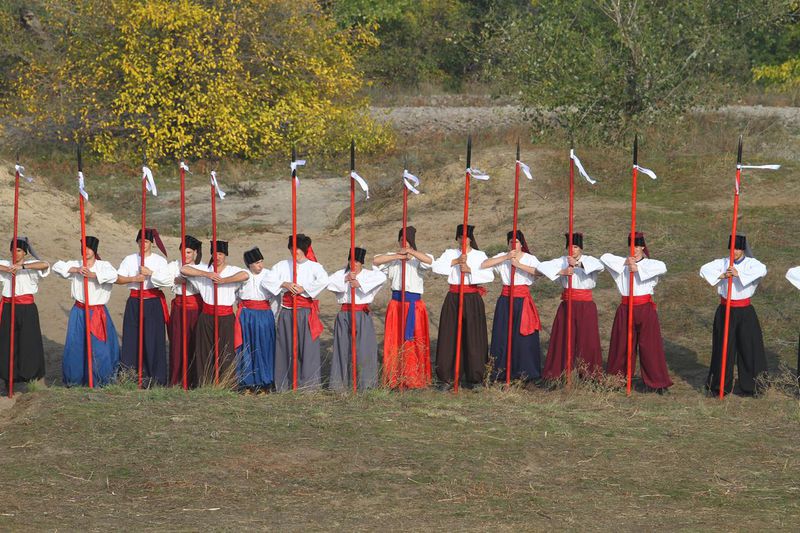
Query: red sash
[
  {"x": 227, "y": 310},
  {"x": 640, "y": 300},
  {"x": 97, "y": 320},
  {"x": 260, "y": 305},
  {"x": 192, "y": 302},
  {"x": 148, "y": 294},
  {"x": 314, "y": 322},
  {"x": 529, "y": 321},
  {"x": 578, "y": 295},
  {"x": 356, "y": 307},
  {"x": 745, "y": 302},
  {"x": 469, "y": 289},
  {"x": 23, "y": 299}
]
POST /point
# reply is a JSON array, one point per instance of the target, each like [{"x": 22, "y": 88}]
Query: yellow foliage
[{"x": 785, "y": 76}]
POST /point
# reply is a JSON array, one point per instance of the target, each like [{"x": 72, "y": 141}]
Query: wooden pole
[
  {"x": 294, "y": 269},
  {"x": 184, "y": 332},
  {"x": 460, "y": 326},
  {"x": 723, "y": 362},
  {"x": 86, "y": 303},
  {"x": 631, "y": 273},
  {"x": 353, "y": 263},
  {"x": 12, "y": 339},
  {"x": 569, "y": 254},
  {"x": 510, "y": 336}
]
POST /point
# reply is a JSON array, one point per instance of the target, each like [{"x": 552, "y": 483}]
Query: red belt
[
  {"x": 259, "y": 305},
  {"x": 578, "y": 295},
  {"x": 193, "y": 301},
  {"x": 23, "y": 299},
  {"x": 314, "y": 322},
  {"x": 356, "y": 307},
  {"x": 529, "y": 321},
  {"x": 722, "y": 301},
  {"x": 97, "y": 320},
  {"x": 226, "y": 310},
  {"x": 149, "y": 294},
  {"x": 639, "y": 300},
  {"x": 469, "y": 289}
]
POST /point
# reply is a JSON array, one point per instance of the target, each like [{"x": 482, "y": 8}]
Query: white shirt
[
  {"x": 255, "y": 288},
  {"x": 750, "y": 270},
  {"x": 164, "y": 278},
  {"x": 130, "y": 267},
  {"x": 414, "y": 269},
  {"x": 26, "y": 281},
  {"x": 520, "y": 277},
  {"x": 371, "y": 282},
  {"x": 644, "y": 280},
  {"x": 474, "y": 260},
  {"x": 99, "y": 288},
  {"x": 584, "y": 276},
  {"x": 793, "y": 275},
  {"x": 310, "y": 275},
  {"x": 226, "y": 292}
]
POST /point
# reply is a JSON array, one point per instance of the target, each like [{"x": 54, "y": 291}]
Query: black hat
[
  {"x": 577, "y": 240},
  {"x": 25, "y": 244},
  {"x": 361, "y": 255},
  {"x": 151, "y": 234},
  {"x": 639, "y": 241},
  {"x": 194, "y": 244},
  {"x": 741, "y": 244},
  {"x": 520, "y": 238},
  {"x": 253, "y": 255},
  {"x": 411, "y": 236},
  {"x": 222, "y": 246},
  {"x": 303, "y": 242},
  {"x": 470, "y": 235},
  {"x": 93, "y": 243}
]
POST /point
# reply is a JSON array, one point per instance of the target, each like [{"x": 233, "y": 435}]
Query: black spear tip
[
  {"x": 80, "y": 159},
  {"x": 17, "y": 157},
  {"x": 469, "y": 151},
  {"x": 352, "y": 154},
  {"x": 636, "y": 149},
  {"x": 739, "y": 153},
  {"x": 517, "y": 148},
  {"x": 294, "y": 154}
]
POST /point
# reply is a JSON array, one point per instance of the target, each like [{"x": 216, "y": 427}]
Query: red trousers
[
  {"x": 587, "y": 355},
  {"x": 407, "y": 366},
  {"x": 647, "y": 342}
]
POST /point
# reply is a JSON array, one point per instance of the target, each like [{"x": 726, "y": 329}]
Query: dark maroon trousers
[
  {"x": 587, "y": 356},
  {"x": 647, "y": 342}
]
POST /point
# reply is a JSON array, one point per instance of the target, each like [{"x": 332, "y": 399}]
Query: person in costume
[
  {"x": 526, "y": 356},
  {"x": 170, "y": 278},
  {"x": 586, "y": 352},
  {"x": 256, "y": 357},
  {"x": 156, "y": 314},
  {"x": 406, "y": 354},
  {"x": 311, "y": 281},
  {"x": 367, "y": 283},
  {"x": 745, "y": 339},
  {"x": 224, "y": 280},
  {"x": 101, "y": 276},
  {"x": 27, "y": 269},
  {"x": 647, "y": 340},
  {"x": 475, "y": 342}
]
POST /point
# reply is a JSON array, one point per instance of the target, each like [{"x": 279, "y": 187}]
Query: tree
[{"x": 192, "y": 78}]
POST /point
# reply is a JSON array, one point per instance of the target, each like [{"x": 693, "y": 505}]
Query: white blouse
[
  {"x": 750, "y": 270},
  {"x": 371, "y": 282},
  {"x": 130, "y": 267},
  {"x": 164, "y": 278},
  {"x": 520, "y": 277},
  {"x": 645, "y": 279},
  {"x": 474, "y": 260},
  {"x": 584, "y": 275},
  {"x": 226, "y": 292},
  {"x": 26, "y": 281},
  {"x": 99, "y": 288},
  {"x": 310, "y": 275},
  {"x": 414, "y": 270},
  {"x": 793, "y": 275}
]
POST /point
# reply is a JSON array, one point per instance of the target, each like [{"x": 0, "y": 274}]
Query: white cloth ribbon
[
  {"x": 477, "y": 174},
  {"x": 82, "y": 186},
  {"x": 411, "y": 181},
  {"x": 646, "y": 171},
  {"x": 185, "y": 167},
  {"x": 21, "y": 171},
  {"x": 525, "y": 169},
  {"x": 756, "y": 167},
  {"x": 360, "y": 181},
  {"x": 581, "y": 170},
  {"x": 220, "y": 192},
  {"x": 147, "y": 175},
  {"x": 293, "y": 166}
]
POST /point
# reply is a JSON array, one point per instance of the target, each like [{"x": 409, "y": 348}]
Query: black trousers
[{"x": 745, "y": 349}]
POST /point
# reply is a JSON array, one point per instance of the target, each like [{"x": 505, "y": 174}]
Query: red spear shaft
[
  {"x": 403, "y": 272},
  {"x": 353, "y": 262},
  {"x": 141, "y": 283},
  {"x": 214, "y": 262},
  {"x": 569, "y": 278},
  {"x": 294, "y": 269},
  {"x": 730, "y": 280},
  {"x": 86, "y": 303},
  {"x": 184, "y": 333},
  {"x": 13, "y": 285},
  {"x": 510, "y": 337},
  {"x": 631, "y": 273},
  {"x": 461, "y": 280}
]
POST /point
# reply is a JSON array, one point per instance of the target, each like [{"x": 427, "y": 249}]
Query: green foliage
[
  {"x": 192, "y": 78},
  {"x": 785, "y": 48}
]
